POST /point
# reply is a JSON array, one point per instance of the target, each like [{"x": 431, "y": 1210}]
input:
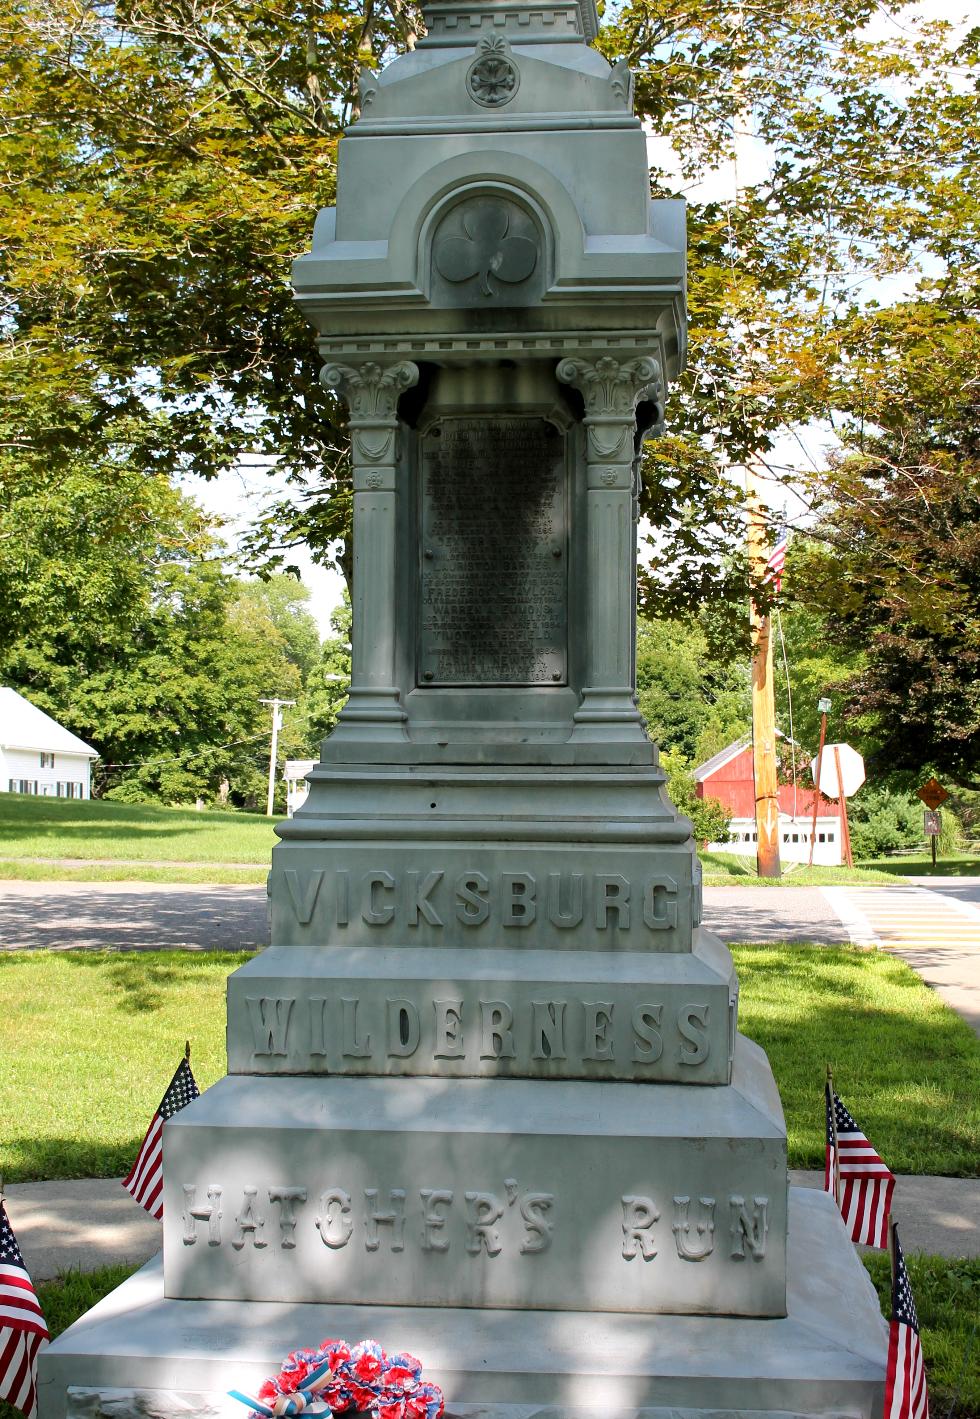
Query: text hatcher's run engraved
[
  {"x": 476, "y": 1222},
  {"x": 494, "y": 553}
]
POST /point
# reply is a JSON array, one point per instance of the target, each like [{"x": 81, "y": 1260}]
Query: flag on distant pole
[
  {"x": 777, "y": 560},
  {"x": 145, "y": 1178},
  {"x": 855, "y": 1176},
  {"x": 906, "y": 1394},
  {"x": 22, "y": 1326}
]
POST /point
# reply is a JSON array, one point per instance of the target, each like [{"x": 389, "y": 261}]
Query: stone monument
[{"x": 486, "y": 1097}]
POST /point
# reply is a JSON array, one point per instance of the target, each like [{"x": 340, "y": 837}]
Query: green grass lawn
[
  {"x": 27, "y": 871},
  {"x": 90, "y": 1040},
  {"x": 947, "y": 1298},
  {"x": 731, "y": 869},
  {"x": 58, "y": 827},
  {"x": 946, "y": 1294},
  {"x": 920, "y": 865}
]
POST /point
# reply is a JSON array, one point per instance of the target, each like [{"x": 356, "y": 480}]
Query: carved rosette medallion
[
  {"x": 372, "y": 392},
  {"x": 493, "y": 78}
]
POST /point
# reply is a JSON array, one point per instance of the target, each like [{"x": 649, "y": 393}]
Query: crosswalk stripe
[{"x": 904, "y": 915}]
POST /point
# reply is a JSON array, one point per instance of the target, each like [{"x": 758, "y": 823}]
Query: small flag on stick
[
  {"x": 22, "y": 1326},
  {"x": 144, "y": 1181},
  {"x": 855, "y": 1176},
  {"x": 906, "y": 1394}
]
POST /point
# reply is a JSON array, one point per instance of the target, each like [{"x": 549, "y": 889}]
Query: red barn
[{"x": 728, "y": 777}]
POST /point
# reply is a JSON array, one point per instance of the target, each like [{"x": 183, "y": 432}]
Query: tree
[
  {"x": 895, "y": 572},
  {"x": 163, "y": 163},
  {"x": 328, "y": 682},
  {"x": 694, "y": 702},
  {"x": 120, "y": 620}
]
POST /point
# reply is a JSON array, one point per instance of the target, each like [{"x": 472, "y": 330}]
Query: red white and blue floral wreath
[{"x": 338, "y": 1378}]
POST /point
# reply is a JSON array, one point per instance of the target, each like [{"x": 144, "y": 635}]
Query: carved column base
[
  {"x": 373, "y": 714},
  {"x": 607, "y": 714}
]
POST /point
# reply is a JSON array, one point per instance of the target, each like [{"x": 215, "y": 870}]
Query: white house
[
  {"x": 294, "y": 772},
  {"x": 38, "y": 755}
]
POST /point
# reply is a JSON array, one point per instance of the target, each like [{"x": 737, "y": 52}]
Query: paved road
[
  {"x": 130, "y": 915},
  {"x": 138, "y": 915},
  {"x": 149, "y": 915}
]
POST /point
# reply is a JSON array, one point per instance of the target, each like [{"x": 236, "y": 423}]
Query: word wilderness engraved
[
  {"x": 528, "y": 1033},
  {"x": 473, "y": 1222}
]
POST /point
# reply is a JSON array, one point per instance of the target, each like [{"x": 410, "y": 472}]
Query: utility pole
[
  {"x": 277, "y": 708},
  {"x": 763, "y": 703}
]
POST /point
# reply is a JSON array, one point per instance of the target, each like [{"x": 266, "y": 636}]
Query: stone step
[
  {"x": 446, "y": 881},
  {"x": 630, "y": 1015},
  {"x": 482, "y": 1193},
  {"x": 141, "y": 1356}
]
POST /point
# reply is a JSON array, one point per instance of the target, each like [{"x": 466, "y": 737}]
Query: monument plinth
[{"x": 486, "y": 1097}]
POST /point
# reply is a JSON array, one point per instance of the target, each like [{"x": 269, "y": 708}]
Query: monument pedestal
[{"x": 139, "y": 1356}]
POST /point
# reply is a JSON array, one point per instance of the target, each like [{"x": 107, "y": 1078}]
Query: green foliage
[
  {"x": 708, "y": 816},
  {"x": 164, "y": 164},
  {"x": 120, "y": 620},
  {"x": 694, "y": 701},
  {"x": 327, "y": 684},
  {"x": 883, "y": 820}
]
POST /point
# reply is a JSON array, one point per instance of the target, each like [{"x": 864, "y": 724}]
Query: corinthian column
[
  {"x": 371, "y": 391},
  {"x": 611, "y": 389}
]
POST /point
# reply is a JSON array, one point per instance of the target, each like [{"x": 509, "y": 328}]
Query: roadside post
[
  {"x": 823, "y": 705},
  {"x": 933, "y": 795},
  {"x": 840, "y": 778}
]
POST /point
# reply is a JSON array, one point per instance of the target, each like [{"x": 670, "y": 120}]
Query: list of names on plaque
[{"x": 494, "y": 553}]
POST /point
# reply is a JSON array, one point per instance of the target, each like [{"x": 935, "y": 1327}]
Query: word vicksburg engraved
[{"x": 494, "y": 553}]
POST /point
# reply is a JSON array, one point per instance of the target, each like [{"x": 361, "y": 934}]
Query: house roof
[
  {"x": 24, "y": 726},
  {"x": 723, "y": 757},
  {"x": 730, "y": 751}
]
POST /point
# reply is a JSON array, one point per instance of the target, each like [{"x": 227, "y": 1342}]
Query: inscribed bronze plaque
[{"x": 494, "y": 580}]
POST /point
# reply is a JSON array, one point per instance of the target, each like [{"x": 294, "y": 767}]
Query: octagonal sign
[{"x": 851, "y": 771}]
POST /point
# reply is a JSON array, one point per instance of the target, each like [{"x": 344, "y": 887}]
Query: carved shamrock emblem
[{"x": 486, "y": 250}]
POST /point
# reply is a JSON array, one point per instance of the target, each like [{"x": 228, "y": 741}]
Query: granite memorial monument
[{"x": 486, "y": 1096}]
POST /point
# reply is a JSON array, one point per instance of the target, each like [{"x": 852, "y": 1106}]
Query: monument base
[{"x": 139, "y": 1356}]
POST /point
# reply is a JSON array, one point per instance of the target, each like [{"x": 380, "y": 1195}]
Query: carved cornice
[
  {"x": 611, "y": 387},
  {"x": 371, "y": 390}
]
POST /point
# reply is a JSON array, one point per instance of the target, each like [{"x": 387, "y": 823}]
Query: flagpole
[{"x": 833, "y": 1134}]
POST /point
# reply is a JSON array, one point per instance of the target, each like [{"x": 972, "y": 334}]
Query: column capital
[
  {"x": 613, "y": 387},
  {"x": 371, "y": 389}
]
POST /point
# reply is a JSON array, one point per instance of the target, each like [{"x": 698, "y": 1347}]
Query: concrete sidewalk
[{"x": 94, "y": 1222}]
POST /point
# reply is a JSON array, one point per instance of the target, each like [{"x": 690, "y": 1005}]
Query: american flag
[
  {"x": 777, "y": 560},
  {"x": 855, "y": 1176},
  {"x": 145, "y": 1178},
  {"x": 22, "y": 1327},
  {"x": 906, "y": 1395}
]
